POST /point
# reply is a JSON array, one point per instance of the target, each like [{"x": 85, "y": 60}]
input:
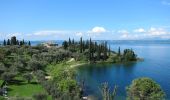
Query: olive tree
[
  {"x": 35, "y": 65},
  {"x": 28, "y": 77},
  {"x": 144, "y": 89},
  {"x": 7, "y": 76}
]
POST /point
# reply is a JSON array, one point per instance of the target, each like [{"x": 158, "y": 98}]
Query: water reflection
[{"x": 114, "y": 74}]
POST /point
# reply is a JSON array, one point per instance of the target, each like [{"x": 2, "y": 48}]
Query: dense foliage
[
  {"x": 94, "y": 52},
  {"x": 14, "y": 41},
  {"x": 90, "y": 50},
  {"x": 145, "y": 89}
]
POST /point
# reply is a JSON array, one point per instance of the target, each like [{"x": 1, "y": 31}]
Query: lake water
[{"x": 156, "y": 65}]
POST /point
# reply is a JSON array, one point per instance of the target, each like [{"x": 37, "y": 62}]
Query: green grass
[
  {"x": 24, "y": 89},
  {"x": 53, "y": 69}
]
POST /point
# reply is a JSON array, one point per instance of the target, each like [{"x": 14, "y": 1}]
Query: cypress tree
[
  {"x": 8, "y": 42},
  {"x": 95, "y": 46},
  {"x": 29, "y": 43},
  {"x": 65, "y": 45},
  {"x": 98, "y": 53},
  {"x": 23, "y": 42},
  {"x": 109, "y": 50},
  {"x": 4, "y": 42},
  {"x": 81, "y": 45},
  {"x": 17, "y": 42},
  {"x": 73, "y": 41},
  {"x": 90, "y": 50},
  {"x": 119, "y": 52},
  {"x": 105, "y": 50},
  {"x": 13, "y": 40},
  {"x": 69, "y": 41}
]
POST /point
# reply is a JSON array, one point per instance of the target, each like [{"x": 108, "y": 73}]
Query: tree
[
  {"x": 28, "y": 77},
  {"x": 29, "y": 43},
  {"x": 7, "y": 76},
  {"x": 2, "y": 68},
  {"x": 13, "y": 40},
  {"x": 23, "y": 42},
  {"x": 119, "y": 52},
  {"x": 40, "y": 96},
  {"x": 109, "y": 50},
  {"x": 69, "y": 42},
  {"x": 145, "y": 89},
  {"x": 98, "y": 53},
  {"x": 73, "y": 41},
  {"x": 34, "y": 65},
  {"x": 4, "y": 43},
  {"x": 105, "y": 50},
  {"x": 90, "y": 49},
  {"x": 81, "y": 45},
  {"x": 17, "y": 42},
  {"x": 65, "y": 45},
  {"x": 129, "y": 55},
  {"x": 8, "y": 42}
]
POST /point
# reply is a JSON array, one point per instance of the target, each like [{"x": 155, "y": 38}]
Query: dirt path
[{"x": 72, "y": 66}]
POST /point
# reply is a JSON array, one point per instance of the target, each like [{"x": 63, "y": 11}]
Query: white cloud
[
  {"x": 52, "y": 35},
  {"x": 151, "y": 33},
  {"x": 123, "y": 31},
  {"x": 125, "y": 35},
  {"x": 95, "y": 33},
  {"x": 157, "y": 31},
  {"x": 79, "y": 34},
  {"x": 49, "y": 33},
  {"x": 140, "y": 30},
  {"x": 98, "y": 30}
]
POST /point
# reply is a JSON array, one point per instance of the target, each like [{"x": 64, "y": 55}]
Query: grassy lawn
[
  {"x": 52, "y": 70},
  {"x": 24, "y": 89}
]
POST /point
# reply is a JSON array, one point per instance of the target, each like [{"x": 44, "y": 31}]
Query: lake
[{"x": 156, "y": 65}]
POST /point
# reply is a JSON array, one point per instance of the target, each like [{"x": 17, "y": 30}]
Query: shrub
[{"x": 145, "y": 89}]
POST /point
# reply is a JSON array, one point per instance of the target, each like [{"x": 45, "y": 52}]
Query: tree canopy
[{"x": 145, "y": 89}]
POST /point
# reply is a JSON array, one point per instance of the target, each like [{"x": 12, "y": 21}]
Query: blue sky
[{"x": 98, "y": 19}]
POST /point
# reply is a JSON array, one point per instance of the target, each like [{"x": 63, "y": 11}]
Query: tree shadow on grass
[
  {"x": 17, "y": 82},
  {"x": 9, "y": 89},
  {"x": 35, "y": 83}
]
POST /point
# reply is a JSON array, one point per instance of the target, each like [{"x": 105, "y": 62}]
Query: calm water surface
[{"x": 156, "y": 65}]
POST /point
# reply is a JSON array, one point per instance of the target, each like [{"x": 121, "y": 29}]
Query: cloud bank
[{"x": 96, "y": 33}]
